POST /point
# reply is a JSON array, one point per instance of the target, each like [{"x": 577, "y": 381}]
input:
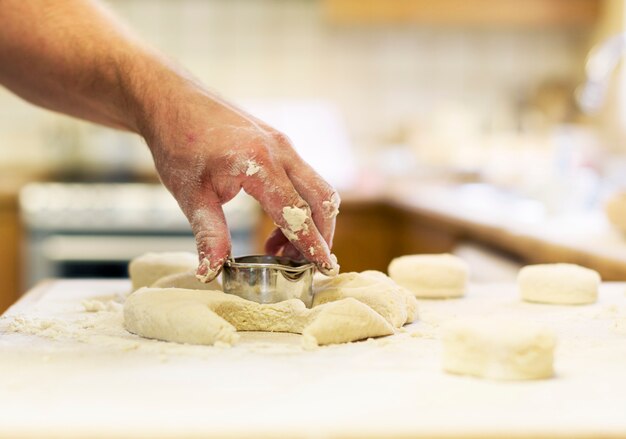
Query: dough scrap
[
  {"x": 146, "y": 269},
  {"x": 564, "y": 284},
  {"x": 186, "y": 280},
  {"x": 373, "y": 288},
  {"x": 182, "y": 316},
  {"x": 209, "y": 317},
  {"x": 431, "y": 276},
  {"x": 498, "y": 349}
]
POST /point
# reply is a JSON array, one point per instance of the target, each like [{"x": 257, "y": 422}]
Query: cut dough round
[
  {"x": 615, "y": 210},
  {"x": 498, "y": 349},
  {"x": 373, "y": 288},
  {"x": 146, "y": 269},
  {"x": 186, "y": 280},
  {"x": 431, "y": 276},
  {"x": 565, "y": 284}
]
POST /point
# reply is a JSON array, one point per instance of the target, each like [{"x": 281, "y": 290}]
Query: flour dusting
[
  {"x": 253, "y": 168},
  {"x": 331, "y": 207}
]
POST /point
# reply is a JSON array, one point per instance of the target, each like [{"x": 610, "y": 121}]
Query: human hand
[{"x": 206, "y": 151}]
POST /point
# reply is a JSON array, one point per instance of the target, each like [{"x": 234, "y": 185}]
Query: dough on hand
[
  {"x": 565, "y": 284},
  {"x": 372, "y": 288},
  {"x": 146, "y": 269},
  {"x": 498, "y": 349},
  {"x": 187, "y": 281},
  {"x": 430, "y": 276},
  {"x": 207, "y": 317}
]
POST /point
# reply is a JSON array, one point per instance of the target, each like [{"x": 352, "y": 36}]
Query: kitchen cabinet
[
  {"x": 478, "y": 13},
  {"x": 373, "y": 230},
  {"x": 367, "y": 236},
  {"x": 10, "y": 239},
  {"x": 370, "y": 232}
]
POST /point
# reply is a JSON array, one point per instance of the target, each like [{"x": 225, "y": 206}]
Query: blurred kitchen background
[{"x": 449, "y": 125}]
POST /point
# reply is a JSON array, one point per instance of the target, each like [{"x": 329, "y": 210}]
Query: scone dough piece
[
  {"x": 207, "y": 317},
  {"x": 343, "y": 321},
  {"x": 409, "y": 297},
  {"x": 372, "y": 288},
  {"x": 188, "y": 281},
  {"x": 146, "y": 269},
  {"x": 498, "y": 349},
  {"x": 181, "y": 316},
  {"x": 563, "y": 284},
  {"x": 431, "y": 276}
]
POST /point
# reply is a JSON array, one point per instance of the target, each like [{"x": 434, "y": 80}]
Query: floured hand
[{"x": 206, "y": 151}]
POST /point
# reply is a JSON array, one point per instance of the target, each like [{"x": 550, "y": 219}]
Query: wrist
[{"x": 152, "y": 94}]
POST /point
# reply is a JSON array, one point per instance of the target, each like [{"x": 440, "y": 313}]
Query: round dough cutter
[{"x": 268, "y": 279}]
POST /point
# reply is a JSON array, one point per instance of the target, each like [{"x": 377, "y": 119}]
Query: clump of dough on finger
[
  {"x": 331, "y": 207},
  {"x": 205, "y": 273},
  {"x": 296, "y": 219}
]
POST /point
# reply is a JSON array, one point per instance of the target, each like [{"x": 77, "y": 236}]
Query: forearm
[{"x": 72, "y": 56}]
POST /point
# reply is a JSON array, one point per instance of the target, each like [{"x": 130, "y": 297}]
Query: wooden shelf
[{"x": 475, "y": 13}]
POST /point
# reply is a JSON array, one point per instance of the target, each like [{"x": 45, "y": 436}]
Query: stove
[{"x": 84, "y": 230}]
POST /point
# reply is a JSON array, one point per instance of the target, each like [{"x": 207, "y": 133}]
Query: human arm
[{"x": 72, "y": 56}]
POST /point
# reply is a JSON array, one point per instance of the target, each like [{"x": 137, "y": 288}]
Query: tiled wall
[{"x": 379, "y": 77}]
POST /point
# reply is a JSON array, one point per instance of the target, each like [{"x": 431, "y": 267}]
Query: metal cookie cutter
[{"x": 268, "y": 279}]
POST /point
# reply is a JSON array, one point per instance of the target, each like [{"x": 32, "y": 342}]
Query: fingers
[
  {"x": 278, "y": 197},
  {"x": 277, "y": 244},
  {"x": 321, "y": 196},
  {"x": 212, "y": 239}
]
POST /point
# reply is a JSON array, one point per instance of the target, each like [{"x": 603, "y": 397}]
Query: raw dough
[
  {"x": 615, "y": 210},
  {"x": 565, "y": 284},
  {"x": 186, "y": 280},
  {"x": 430, "y": 276},
  {"x": 146, "y": 269},
  {"x": 498, "y": 349},
  {"x": 373, "y": 288},
  {"x": 208, "y": 317}
]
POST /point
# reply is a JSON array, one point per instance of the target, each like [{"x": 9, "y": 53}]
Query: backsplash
[{"x": 379, "y": 77}]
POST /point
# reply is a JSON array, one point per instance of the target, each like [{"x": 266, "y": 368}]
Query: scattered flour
[{"x": 99, "y": 305}]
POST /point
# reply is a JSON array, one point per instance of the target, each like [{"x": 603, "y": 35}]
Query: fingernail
[
  {"x": 205, "y": 272},
  {"x": 330, "y": 268},
  {"x": 202, "y": 268}
]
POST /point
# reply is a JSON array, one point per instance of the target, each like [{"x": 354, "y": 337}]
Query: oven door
[{"x": 101, "y": 256}]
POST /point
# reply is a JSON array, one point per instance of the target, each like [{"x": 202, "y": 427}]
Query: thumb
[{"x": 208, "y": 224}]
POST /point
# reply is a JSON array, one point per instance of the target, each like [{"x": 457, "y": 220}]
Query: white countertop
[
  {"x": 71, "y": 373},
  {"x": 520, "y": 225}
]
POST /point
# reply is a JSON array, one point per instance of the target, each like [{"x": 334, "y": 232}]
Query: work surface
[{"x": 67, "y": 372}]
